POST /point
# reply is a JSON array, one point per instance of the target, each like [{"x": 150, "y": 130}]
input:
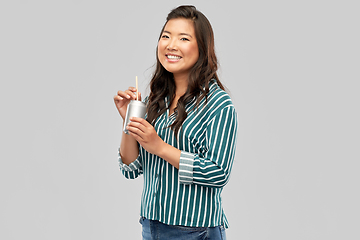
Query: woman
[{"x": 185, "y": 147}]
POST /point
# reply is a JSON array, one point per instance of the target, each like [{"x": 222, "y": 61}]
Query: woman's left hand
[{"x": 145, "y": 134}]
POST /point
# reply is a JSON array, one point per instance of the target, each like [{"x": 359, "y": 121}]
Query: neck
[{"x": 181, "y": 83}]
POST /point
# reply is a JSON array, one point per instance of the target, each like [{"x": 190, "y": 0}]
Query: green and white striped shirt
[{"x": 190, "y": 195}]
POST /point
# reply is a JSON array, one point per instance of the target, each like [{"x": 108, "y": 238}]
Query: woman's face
[{"x": 177, "y": 48}]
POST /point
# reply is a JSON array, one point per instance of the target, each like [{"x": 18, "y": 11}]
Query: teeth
[{"x": 173, "y": 57}]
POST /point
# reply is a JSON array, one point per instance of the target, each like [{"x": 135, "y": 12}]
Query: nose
[{"x": 172, "y": 45}]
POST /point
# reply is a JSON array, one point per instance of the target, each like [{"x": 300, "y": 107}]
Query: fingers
[
  {"x": 135, "y": 132},
  {"x": 140, "y": 121},
  {"x": 137, "y": 125},
  {"x": 118, "y": 98},
  {"x": 126, "y": 95},
  {"x": 129, "y": 94}
]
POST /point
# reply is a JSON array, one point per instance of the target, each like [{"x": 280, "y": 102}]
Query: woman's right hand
[{"x": 122, "y": 99}]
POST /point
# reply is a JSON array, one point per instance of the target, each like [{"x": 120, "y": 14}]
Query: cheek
[
  {"x": 158, "y": 48},
  {"x": 159, "y": 52},
  {"x": 161, "y": 46},
  {"x": 195, "y": 52},
  {"x": 161, "y": 49}
]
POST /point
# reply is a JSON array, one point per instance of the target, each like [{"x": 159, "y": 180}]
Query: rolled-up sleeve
[
  {"x": 214, "y": 167},
  {"x": 186, "y": 166},
  {"x": 133, "y": 170}
]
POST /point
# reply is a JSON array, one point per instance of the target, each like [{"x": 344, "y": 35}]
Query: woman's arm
[
  {"x": 212, "y": 168},
  {"x": 129, "y": 148}
]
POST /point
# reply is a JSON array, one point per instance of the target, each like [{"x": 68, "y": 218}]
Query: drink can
[{"x": 134, "y": 109}]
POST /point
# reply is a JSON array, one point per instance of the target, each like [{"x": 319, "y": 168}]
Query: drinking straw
[{"x": 137, "y": 92}]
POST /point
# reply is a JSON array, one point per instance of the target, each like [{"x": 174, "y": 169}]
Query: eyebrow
[{"x": 179, "y": 33}]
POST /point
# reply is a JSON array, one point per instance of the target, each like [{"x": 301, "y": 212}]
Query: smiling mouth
[{"x": 173, "y": 57}]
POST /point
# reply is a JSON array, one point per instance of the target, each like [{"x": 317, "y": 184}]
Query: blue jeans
[{"x": 155, "y": 230}]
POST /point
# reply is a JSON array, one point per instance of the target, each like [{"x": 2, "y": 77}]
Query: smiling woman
[
  {"x": 177, "y": 48},
  {"x": 185, "y": 148}
]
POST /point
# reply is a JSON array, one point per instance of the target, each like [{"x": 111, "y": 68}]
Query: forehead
[{"x": 180, "y": 25}]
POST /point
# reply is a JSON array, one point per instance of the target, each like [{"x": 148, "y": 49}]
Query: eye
[
  {"x": 164, "y": 36},
  {"x": 184, "y": 39}
]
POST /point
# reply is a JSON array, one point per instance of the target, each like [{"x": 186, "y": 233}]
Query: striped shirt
[{"x": 190, "y": 195}]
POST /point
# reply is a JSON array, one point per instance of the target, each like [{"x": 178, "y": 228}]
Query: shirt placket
[
  {"x": 156, "y": 194},
  {"x": 164, "y": 119}
]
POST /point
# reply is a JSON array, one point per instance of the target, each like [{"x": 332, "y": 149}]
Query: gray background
[{"x": 292, "y": 68}]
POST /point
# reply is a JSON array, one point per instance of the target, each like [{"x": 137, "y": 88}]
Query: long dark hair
[{"x": 162, "y": 83}]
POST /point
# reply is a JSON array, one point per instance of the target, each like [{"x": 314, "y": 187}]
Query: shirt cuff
[
  {"x": 131, "y": 167},
  {"x": 186, "y": 167}
]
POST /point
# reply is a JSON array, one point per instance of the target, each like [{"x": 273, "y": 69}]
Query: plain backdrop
[{"x": 291, "y": 68}]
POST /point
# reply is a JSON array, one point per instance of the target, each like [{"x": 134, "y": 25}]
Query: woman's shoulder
[{"x": 218, "y": 96}]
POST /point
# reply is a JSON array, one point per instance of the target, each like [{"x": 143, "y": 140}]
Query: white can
[{"x": 134, "y": 109}]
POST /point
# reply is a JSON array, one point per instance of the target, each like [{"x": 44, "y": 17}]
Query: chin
[{"x": 170, "y": 69}]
